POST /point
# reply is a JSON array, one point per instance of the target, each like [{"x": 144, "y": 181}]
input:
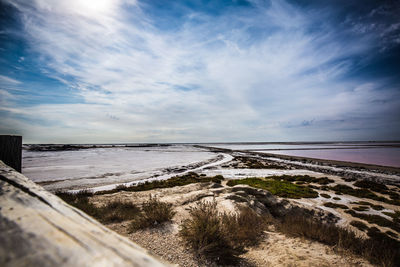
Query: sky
[{"x": 118, "y": 71}]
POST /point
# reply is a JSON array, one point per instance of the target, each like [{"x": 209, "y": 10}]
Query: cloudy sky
[{"x": 103, "y": 71}]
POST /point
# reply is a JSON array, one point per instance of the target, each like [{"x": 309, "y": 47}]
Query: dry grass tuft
[
  {"x": 221, "y": 237},
  {"x": 154, "y": 212},
  {"x": 115, "y": 211},
  {"x": 378, "y": 248},
  {"x": 118, "y": 211}
]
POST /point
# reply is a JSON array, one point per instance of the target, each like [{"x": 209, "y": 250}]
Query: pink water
[{"x": 378, "y": 156}]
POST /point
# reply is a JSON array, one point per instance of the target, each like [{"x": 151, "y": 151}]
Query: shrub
[
  {"x": 374, "y": 232},
  {"x": 392, "y": 234},
  {"x": 361, "y": 208},
  {"x": 377, "y": 207},
  {"x": 153, "y": 213},
  {"x": 245, "y": 227},
  {"x": 186, "y": 179},
  {"x": 117, "y": 211},
  {"x": 204, "y": 232},
  {"x": 252, "y": 163},
  {"x": 394, "y": 196},
  {"x": 359, "y": 225},
  {"x": 297, "y": 224},
  {"x": 336, "y": 198},
  {"x": 325, "y": 195},
  {"x": 335, "y": 205},
  {"x": 345, "y": 189},
  {"x": 71, "y": 197},
  {"x": 374, "y": 186},
  {"x": 221, "y": 237},
  {"x": 395, "y": 216},
  {"x": 378, "y": 248},
  {"x": 362, "y": 193},
  {"x": 376, "y": 219},
  {"x": 324, "y": 181},
  {"x": 80, "y": 200},
  {"x": 303, "y": 178},
  {"x": 366, "y": 203},
  {"x": 121, "y": 187}
]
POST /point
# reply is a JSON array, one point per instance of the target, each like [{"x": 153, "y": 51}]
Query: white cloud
[
  {"x": 7, "y": 80},
  {"x": 247, "y": 87}
]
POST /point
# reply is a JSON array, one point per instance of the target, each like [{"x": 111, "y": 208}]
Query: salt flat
[{"x": 99, "y": 166}]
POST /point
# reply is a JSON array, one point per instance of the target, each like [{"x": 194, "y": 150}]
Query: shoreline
[{"x": 109, "y": 180}]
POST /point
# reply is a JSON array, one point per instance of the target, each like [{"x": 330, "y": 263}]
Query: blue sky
[{"x": 108, "y": 71}]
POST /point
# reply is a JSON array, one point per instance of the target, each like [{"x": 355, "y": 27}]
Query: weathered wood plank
[{"x": 39, "y": 229}]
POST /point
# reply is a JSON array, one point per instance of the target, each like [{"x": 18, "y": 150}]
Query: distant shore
[{"x": 365, "y": 166}]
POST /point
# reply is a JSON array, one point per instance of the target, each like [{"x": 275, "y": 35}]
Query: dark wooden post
[{"x": 11, "y": 151}]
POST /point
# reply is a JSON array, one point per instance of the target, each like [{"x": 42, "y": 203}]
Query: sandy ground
[{"x": 275, "y": 249}]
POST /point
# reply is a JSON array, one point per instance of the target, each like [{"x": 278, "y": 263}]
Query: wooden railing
[{"x": 39, "y": 229}]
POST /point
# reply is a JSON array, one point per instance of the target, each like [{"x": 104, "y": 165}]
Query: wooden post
[{"x": 11, "y": 151}]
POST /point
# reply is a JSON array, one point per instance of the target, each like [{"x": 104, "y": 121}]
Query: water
[
  {"x": 376, "y": 156},
  {"x": 100, "y": 166},
  {"x": 385, "y": 154}
]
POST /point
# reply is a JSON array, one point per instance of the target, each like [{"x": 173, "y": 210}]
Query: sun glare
[{"x": 93, "y": 7}]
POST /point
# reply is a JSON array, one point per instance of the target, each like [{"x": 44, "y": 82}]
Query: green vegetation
[
  {"x": 302, "y": 178},
  {"x": 335, "y": 205},
  {"x": 380, "y": 188},
  {"x": 348, "y": 190},
  {"x": 186, "y": 179},
  {"x": 252, "y": 163},
  {"x": 350, "y": 179},
  {"x": 366, "y": 203},
  {"x": 359, "y": 225},
  {"x": 362, "y": 193},
  {"x": 324, "y": 181},
  {"x": 376, "y": 219},
  {"x": 221, "y": 236},
  {"x": 374, "y": 186},
  {"x": 325, "y": 195},
  {"x": 277, "y": 187},
  {"x": 154, "y": 212}
]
